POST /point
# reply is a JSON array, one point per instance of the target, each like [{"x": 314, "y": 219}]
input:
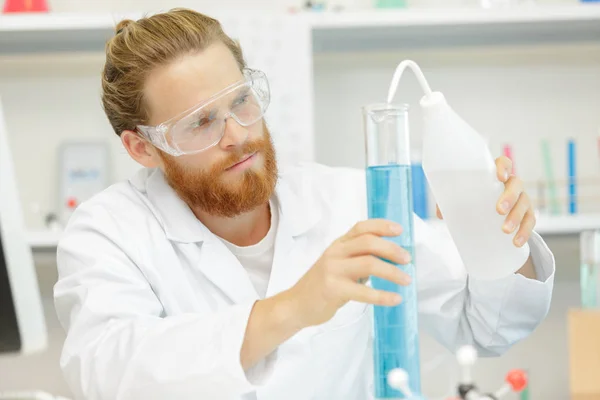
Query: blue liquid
[
  {"x": 396, "y": 342},
  {"x": 419, "y": 189}
]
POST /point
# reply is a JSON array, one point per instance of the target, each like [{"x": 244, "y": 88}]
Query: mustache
[{"x": 240, "y": 153}]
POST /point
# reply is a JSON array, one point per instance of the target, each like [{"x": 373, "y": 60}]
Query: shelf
[
  {"x": 567, "y": 224},
  {"x": 341, "y": 31},
  {"x": 426, "y": 28},
  {"x": 555, "y": 225},
  {"x": 57, "y": 32},
  {"x": 43, "y": 239}
]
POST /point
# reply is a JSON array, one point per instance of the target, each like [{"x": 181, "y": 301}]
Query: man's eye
[
  {"x": 241, "y": 100},
  {"x": 202, "y": 121}
]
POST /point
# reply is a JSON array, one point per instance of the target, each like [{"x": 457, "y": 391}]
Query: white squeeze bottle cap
[{"x": 461, "y": 172}]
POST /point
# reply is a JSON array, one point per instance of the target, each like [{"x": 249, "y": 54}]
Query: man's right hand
[
  {"x": 328, "y": 285},
  {"x": 335, "y": 278}
]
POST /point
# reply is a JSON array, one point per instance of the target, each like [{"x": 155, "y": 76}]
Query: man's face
[{"x": 221, "y": 180}]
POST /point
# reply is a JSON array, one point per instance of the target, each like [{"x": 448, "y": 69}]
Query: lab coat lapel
[
  {"x": 284, "y": 243},
  {"x": 205, "y": 251},
  {"x": 298, "y": 213},
  {"x": 225, "y": 271}
]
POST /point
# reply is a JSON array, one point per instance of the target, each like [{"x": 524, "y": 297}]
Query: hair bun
[{"x": 122, "y": 25}]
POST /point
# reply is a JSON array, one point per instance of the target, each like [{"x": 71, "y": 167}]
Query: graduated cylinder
[{"x": 389, "y": 195}]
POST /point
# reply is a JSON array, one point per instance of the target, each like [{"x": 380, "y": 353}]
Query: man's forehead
[{"x": 190, "y": 80}]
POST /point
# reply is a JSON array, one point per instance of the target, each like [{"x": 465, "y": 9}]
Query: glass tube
[
  {"x": 590, "y": 269},
  {"x": 389, "y": 195}
]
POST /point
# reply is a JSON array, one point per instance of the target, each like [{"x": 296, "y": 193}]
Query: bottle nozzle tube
[{"x": 398, "y": 74}]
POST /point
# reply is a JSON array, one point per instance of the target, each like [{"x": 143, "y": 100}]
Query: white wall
[{"x": 49, "y": 100}]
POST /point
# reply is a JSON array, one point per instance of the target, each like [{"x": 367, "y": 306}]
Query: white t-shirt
[{"x": 257, "y": 259}]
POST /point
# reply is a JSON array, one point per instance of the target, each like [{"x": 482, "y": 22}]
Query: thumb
[{"x": 438, "y": 212}]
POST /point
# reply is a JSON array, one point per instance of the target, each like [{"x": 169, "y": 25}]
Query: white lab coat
[{"x": 156, "y": 306}]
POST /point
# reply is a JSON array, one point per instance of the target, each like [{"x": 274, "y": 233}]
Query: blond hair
[{"x": 140, "y": 46}]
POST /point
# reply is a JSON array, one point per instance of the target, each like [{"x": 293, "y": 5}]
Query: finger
[
  {"x": 379, "y": 227},
  {"x": 364, "y": 294},
  {"x": 512, "y": 190},
  {"x": 527, "y": 225},
  {"x": 517, "y": 213},
  {"x": 504, "y": 168},
  {"x": 371, "y": 245},
  {"x": 438, "y": 212},
  {"x": 367, "y": 266}
]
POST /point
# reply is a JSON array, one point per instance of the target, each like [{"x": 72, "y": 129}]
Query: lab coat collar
[
  {"x": 298, "y": 210},
  {"x": 178, "y": 220}
]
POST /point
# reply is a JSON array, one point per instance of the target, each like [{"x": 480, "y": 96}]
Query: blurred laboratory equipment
[
  {"x": 33, "y": 395},
  {"x": 508, "y": 153},
  {"x": 45, "y": 217},
  {"x": 572, "y": 176},
  {"x": 505, "y": 3},
  {"x": 461, "y": 172},
  {"x": 22, "y": 322},
  {"x": 390, "y": 3},
  {"x": 554, "y": 206},
  {"x": 83, "y": 172},
  {"x": 389, "y": 195},
  {"x": 52, "y": 223},
  {"x": 23, "y": 6},
  {"x": 315, "y": 5},
  {"x": 570, "y": 193},
  {"x": 350, "y": 5},
  {"x": 590, "y": 269},
  {"x": 335, "y": 5},
  {"x": 598, "y": 144},
  {"x": 515, "y": 381}
]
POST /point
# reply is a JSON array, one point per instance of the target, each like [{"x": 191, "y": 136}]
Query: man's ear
[{"x": 140, "y": 149}]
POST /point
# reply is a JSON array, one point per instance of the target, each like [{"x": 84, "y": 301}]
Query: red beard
[{"x": 208, "y": 191}]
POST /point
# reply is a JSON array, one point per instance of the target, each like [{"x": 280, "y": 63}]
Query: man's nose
[{"x": 234, "y": 135}]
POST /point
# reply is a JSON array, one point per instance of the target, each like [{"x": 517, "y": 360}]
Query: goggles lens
[{"x": 245, "y": 102}]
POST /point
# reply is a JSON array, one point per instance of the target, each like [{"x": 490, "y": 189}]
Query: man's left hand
[{"x": 514, "y": 203}]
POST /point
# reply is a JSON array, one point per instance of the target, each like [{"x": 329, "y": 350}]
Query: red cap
[
  {"x": 25, "y": 6},
  {"x": 71, "y": 202},
  {"x": 517, "y": 379}
]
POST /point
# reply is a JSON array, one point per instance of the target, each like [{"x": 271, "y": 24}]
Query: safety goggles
[{"x": 203, "y": 126}]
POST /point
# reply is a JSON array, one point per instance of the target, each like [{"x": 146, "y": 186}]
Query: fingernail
[
  {"x": 407, "y": 279},
  {"x": 395, "y": 228},
  {"x": 396, "y": 298},
  {"x": 504, "y": 206},
  {"x": 505, "y": 176},
  {"x": 520, "y": 241},
  {"x": 406, "y": 257},
  {"x": 509, "y": 226}
]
